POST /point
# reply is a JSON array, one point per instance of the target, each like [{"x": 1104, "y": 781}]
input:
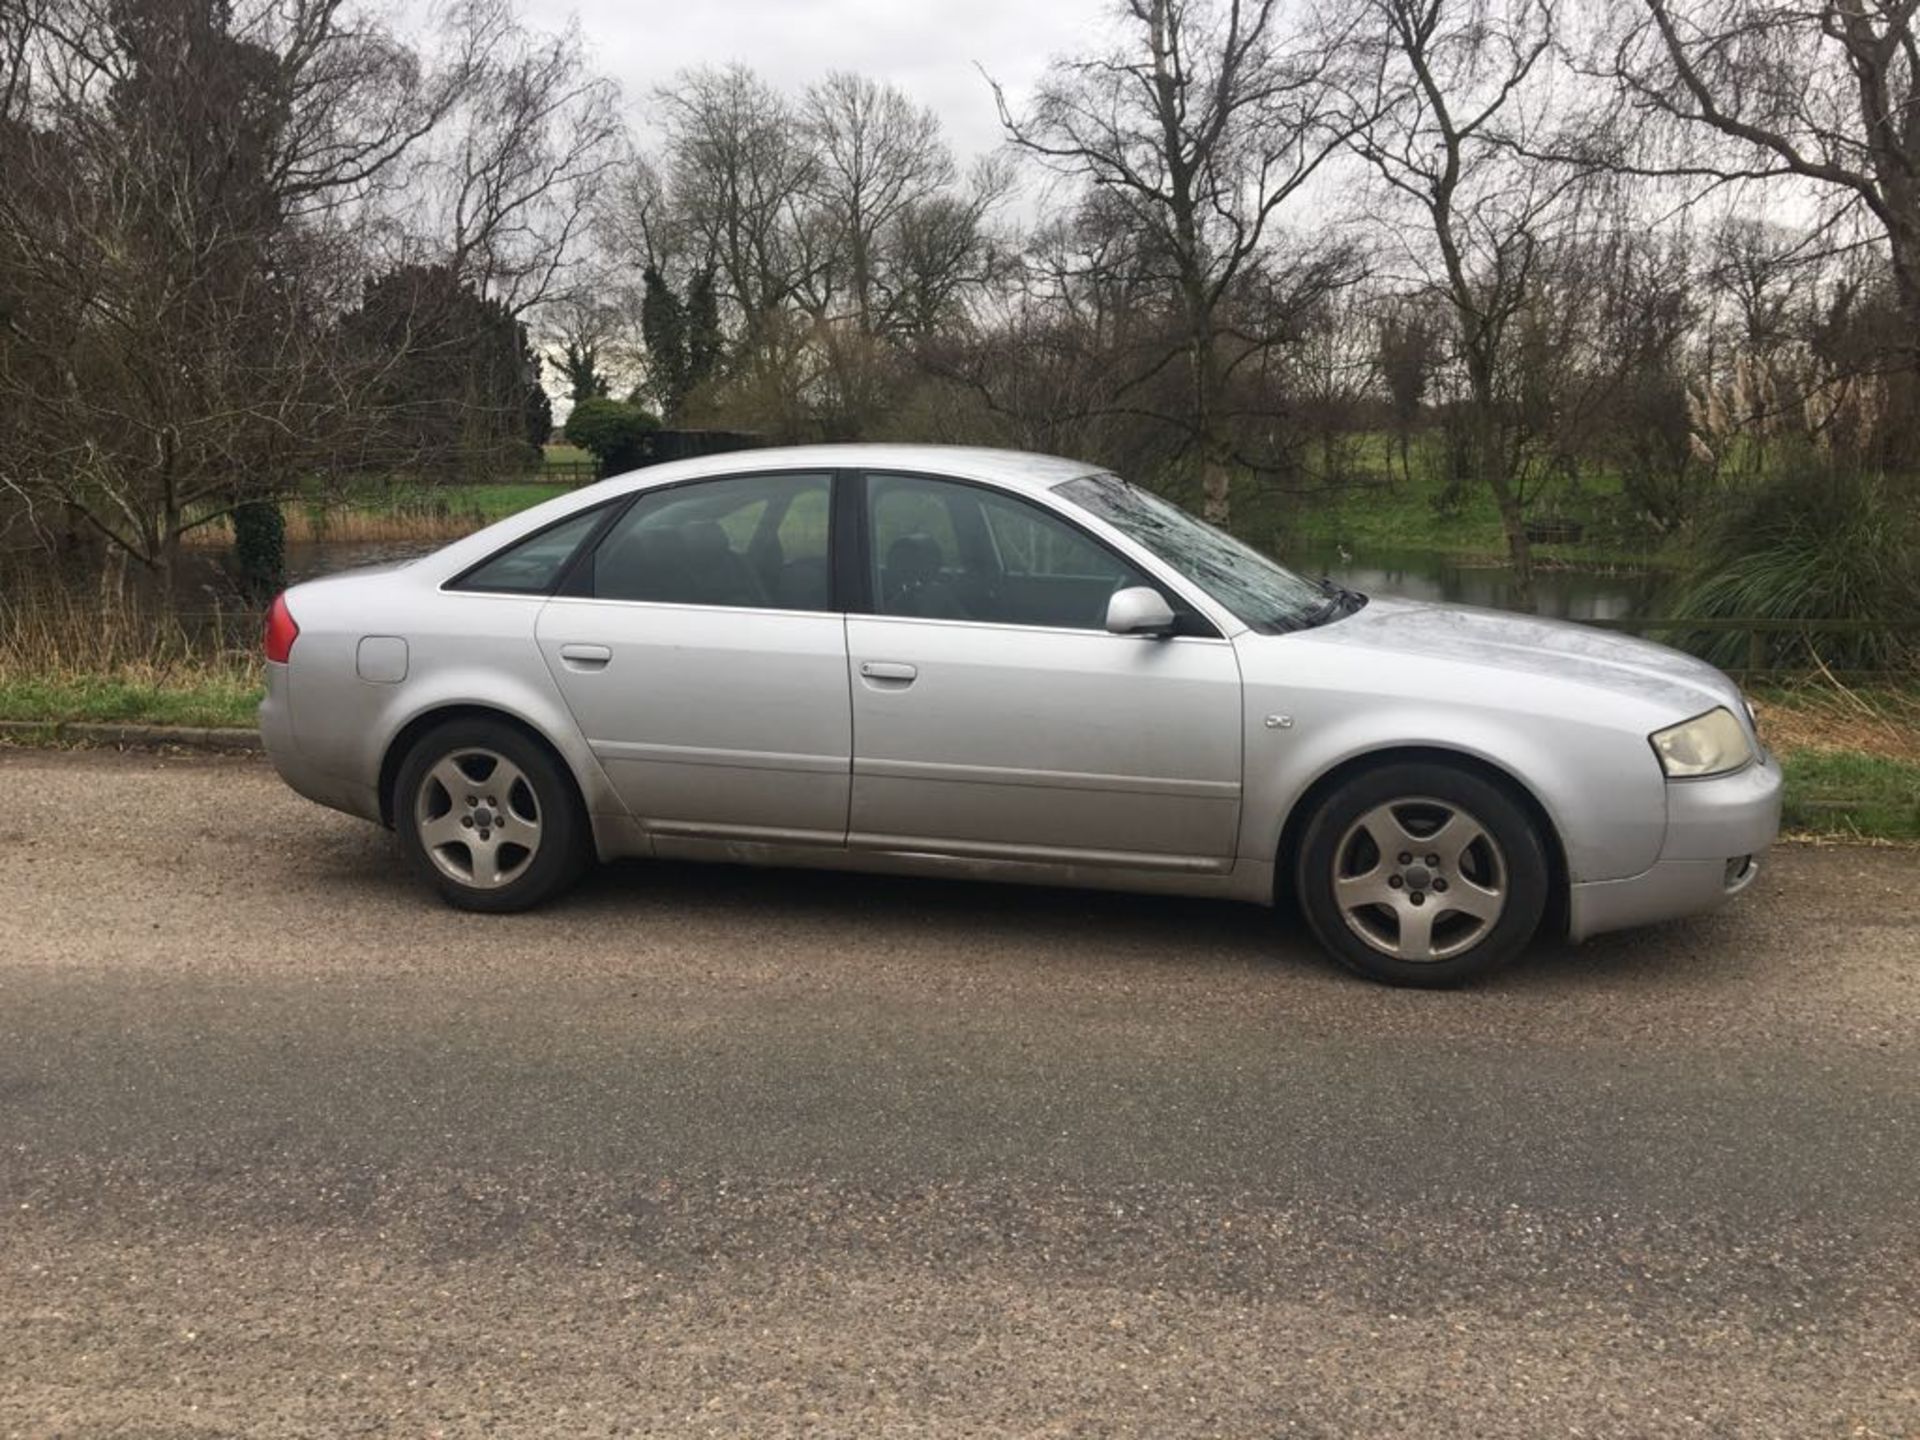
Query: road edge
[{"x": 64, "y": 733}]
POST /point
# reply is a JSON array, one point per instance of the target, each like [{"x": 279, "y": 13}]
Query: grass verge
[
  {"x": 1851, "y": 757},
  {"x": 1838, "y": 794},
  {"x": 213, "y": 700}
]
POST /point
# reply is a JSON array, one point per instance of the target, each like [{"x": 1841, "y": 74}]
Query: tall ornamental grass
[{"x": 1810, "y": 540}]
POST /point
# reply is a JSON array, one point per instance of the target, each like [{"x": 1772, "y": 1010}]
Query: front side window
[
  {"x": 532, "y": 566},
  {"x": 1262, "y": 592},
  {"x": 941, "y": 550},
  {"x": 753, "y": 541}
]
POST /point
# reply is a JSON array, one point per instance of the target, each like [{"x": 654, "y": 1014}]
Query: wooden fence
[{"x": 574, "y": 473}]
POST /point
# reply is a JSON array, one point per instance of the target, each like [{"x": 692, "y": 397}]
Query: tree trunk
[
  {"x": 167, "y": 560},
  {"x": 1216, "y": 483},
  {"x": 1519, "y": 548},
  {"x": 1491, "y": 454},
  {"x": 1216, "y": 476}
]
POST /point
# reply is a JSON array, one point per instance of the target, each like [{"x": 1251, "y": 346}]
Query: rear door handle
[
  {"x": 585, "y": 657},
  {"x": 887, "y": 670}
]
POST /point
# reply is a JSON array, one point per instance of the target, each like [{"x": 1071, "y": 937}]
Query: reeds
[
  {"x": 50, "y": 630},
  {"x": 427, "y": 521},
  {"x": 1823, "y": 714}
]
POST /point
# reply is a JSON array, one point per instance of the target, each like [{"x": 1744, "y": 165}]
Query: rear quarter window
[{"x": 532, "y": 566}]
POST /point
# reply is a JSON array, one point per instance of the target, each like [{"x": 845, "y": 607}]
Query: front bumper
[{"x": 1717, "y": 830}]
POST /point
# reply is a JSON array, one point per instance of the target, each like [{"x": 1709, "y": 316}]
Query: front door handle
[
  {"x": 585, "y": 657},
  {"x": 887, "y": 670}
]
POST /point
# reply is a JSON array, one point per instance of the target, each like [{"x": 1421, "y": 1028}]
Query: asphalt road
[{"x": 288, "y": 1149}]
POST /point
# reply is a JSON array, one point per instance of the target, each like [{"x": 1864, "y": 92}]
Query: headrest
[{"x": 914, "y": 557}]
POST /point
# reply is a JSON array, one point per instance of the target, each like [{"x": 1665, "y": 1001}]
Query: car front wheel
[
  {"x": 488, "y": 818},
  {"x": 1422, "y": 874}
]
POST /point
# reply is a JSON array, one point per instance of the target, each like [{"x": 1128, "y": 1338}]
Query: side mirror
[{"x": 1139, "y": 610}]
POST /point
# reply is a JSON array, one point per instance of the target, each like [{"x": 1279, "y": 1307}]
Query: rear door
[
  {"x": 994, "y": 715},
  {"x": 704, "y": 663}
]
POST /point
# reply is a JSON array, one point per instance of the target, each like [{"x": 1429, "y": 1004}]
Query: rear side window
[
  {"x": 751, "y": 541},
  {"x": 534, "y": 565}
]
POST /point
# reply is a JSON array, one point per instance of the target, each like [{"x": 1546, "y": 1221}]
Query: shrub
[
  {"x": 1815, "y": 539},
  {"x": 260, "y": 547},
  {"x": 614, "y": 432}
]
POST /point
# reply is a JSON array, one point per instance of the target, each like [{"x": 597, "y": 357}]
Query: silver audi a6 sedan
[{"x": 1004, "y": 666}]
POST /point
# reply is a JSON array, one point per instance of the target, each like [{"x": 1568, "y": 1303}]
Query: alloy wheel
[
  {"x": 1419, "y": 879},
  {"x": 478, "y": 818}
]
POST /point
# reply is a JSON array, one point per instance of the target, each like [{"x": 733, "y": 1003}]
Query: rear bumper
[
  {"x": 300, "y": 773},
  {"x": 1717, "y": 831}
]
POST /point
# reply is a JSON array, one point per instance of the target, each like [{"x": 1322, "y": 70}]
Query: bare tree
[
  {"x": 532, "y": 138},
  {"x": 1204, "y": 123},
  {"x": 740, "y": 169},
  {"x": 940, "y": 252},
  {"x": 877, "y": 157},
  {"x": 19, "y": 19},
  {"x": 586, "y": 339},
  {"x": 1826, "y": 92},
  {"x": 1409, "y": 346},
  {"x": 1762, "y": 270},
  {"x": 193, "y": 191},
  {"x": 1440, "y": 127}
]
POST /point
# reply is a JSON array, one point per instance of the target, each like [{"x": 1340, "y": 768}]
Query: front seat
[{"x": 913, "y": 583}]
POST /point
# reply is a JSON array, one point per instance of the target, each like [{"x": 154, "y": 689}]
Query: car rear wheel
[
  {"x": 1422, "y": 874},
  {"x": 488, "y": 817}
]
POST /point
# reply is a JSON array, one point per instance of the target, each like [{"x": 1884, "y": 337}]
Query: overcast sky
[{"x": 929, "y": 48}]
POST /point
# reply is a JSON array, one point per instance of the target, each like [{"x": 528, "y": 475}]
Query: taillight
[{"x": 281, "y": 631}]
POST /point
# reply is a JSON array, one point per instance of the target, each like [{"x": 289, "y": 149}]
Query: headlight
[{"x": 1709, "y": 744}]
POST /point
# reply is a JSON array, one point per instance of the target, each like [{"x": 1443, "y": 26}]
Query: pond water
[
  {"x": 1422, "y": 575},
  {"x": 1417, "y": 575}
]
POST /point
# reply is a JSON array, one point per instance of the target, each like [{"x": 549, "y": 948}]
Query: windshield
[{"x": 1262, "y": 592}]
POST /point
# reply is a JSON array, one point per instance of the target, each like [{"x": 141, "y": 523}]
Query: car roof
[{"x": 1014, "y": 469}]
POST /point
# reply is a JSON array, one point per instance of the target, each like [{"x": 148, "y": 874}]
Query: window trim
[{"x": 1205, "y": 626}]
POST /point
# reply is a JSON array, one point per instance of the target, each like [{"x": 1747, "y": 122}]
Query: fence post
[{"x": 1756, "y": 651}]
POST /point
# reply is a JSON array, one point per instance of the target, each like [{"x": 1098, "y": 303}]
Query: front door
[
  {"x": 705, "y": 665},
  {"x": 993, "y": 713}
]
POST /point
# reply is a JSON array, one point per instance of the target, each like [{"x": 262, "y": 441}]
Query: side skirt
[{"x": 1247, "y": 880}]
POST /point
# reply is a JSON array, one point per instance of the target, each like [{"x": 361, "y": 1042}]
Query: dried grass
[
  {"x": 1822, "y": 714},
  {"x": 51, "y": 631},
  {"x": 426, "y": 525}
]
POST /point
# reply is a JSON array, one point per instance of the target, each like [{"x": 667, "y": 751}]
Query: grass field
[
  {"x": 1367, "y": 502},
  {"x": 1380, "y": 507}
]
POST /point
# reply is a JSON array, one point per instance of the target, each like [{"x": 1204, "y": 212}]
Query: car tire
[
  {"x": 1422, "y": 873},
  {"x": 489, "y": 818}
]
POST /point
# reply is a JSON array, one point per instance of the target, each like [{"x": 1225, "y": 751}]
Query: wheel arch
[
  {"x": 430, "y": 719},
  {"x": 1301, "y": 812}
]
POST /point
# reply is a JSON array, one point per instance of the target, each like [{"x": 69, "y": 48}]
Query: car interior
[
  {"x": 949, "y": 551},
  {"x": 941, "y": 549},
  {"x": 757, "y": 542}
]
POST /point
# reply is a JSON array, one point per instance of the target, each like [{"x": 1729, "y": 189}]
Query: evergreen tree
[
  {"x": 663, "y": 325},
  {"x": 704, "y": 340},
  {"x": 459, "y": 382},
  {"x": 579, "y": 365}
]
